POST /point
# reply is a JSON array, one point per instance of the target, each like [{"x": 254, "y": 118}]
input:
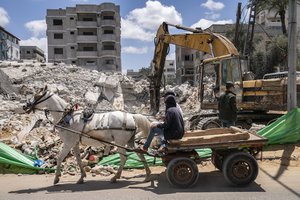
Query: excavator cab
[{"x": 214, "y": 74}]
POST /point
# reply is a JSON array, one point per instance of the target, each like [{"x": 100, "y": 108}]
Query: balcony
[
  {"x": 109, "y": 7},
  {"x": 104, "y": 53},
  {"x": 86, "y": 24},
  {"x": 108, "y": 22},
  {"x": 86, "y": 38},
  {"x": 108, "y": 37},
  {"x": 87, "y": 54}
]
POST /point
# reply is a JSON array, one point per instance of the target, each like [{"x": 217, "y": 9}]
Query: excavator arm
[{"x": 208, "y": 42}]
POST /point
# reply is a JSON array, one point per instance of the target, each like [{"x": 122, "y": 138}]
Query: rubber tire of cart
[
  {"x": 182, "y": 172},
  {"x": 240, "y": 169}
]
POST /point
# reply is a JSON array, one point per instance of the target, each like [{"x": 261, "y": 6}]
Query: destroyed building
[
  {"x": 32, "y": 53},
  {"x": 85, "y": 35}
]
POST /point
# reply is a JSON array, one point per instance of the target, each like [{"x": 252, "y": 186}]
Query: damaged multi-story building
[
  {"x": 9, "y": 45},
  {"x": 32, "y": 53},
  {"x": 85, "y": 35}
]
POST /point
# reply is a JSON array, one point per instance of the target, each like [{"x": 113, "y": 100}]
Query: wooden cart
[{"x": 233, "y": 152}]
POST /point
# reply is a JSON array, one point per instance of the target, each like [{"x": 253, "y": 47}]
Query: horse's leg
[
  {"x": 123, "y": 159},
  {"x": 65, "y": 151},
  {"x": 147, "y": 169},
  {"x": 77, "y": 155}
]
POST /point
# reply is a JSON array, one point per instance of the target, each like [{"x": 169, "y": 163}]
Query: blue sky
[{"x": 140, "y": 19}]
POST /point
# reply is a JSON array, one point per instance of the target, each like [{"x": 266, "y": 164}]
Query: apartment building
[
  {"x": 85, "y": 35},
  {"x": 32, "y": 53},
  {"x": 187, "y": 61},
  {"x": 9, "y": 45},
  {"x": 169, "y": 71}
]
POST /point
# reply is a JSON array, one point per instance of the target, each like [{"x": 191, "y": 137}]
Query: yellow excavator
[{"x": 258, "y": 101}]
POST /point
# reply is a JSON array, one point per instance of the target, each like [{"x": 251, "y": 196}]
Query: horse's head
[{"x": 37, "y": 101}]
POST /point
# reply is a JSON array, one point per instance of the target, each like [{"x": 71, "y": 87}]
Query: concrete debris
[{"x": 34, "y": 135}]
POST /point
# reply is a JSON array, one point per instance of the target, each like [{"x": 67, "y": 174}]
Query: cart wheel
[
  {"x": 217, "y": 161},
  {"x": 240, "y": 169},
  {"x": 182, "y": 172}
]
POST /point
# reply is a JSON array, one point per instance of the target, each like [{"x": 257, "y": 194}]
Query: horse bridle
[{"x": 30, "y": 106}]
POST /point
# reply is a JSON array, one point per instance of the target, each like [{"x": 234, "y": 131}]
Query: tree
[
  {"x": 277, "y": 53},
  {"x": 279, "y": 6}
]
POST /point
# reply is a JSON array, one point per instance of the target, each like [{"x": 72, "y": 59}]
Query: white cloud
[
  {"x": 37, "y": 27},
  {"x": 205, "y": 23},
  {"x": 142, "y": 23},
  {"x": 151, "y": 16},
  {"x": 39, "y": 42},
  {"x": 212, "y": 15},
  {"x": 213, "y": 5},
  {"x": 130, "y": 30},
  {"x": 4, "y": 18},
  {"x": 134, "y": 50}
]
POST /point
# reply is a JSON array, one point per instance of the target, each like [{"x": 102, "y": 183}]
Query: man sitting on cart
[{"x": 171, "y": 128}]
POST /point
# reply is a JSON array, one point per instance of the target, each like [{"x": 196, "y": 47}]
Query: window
[
  {"x": 171, "y": 64},
  {"x": 87, "y": 19},
  {"x": 108, "y": 47},
  {"x": 90, "y": 62},
  {"x": 109, "y": 17},
  {"x": 73, "y": 62},
  {"x": 72, "y": 32},
  {"x": 72, "y": 47},
  {"x": 108, "y": 32},
  {"x": 109, "y": 62},
  {"x": 71, "y": 18},
  {"x": 186, "y": 57},
  {"x": 28, "y": 52},
  {"x": 58, "y": 36},
  {"x": 87, "y": 33},
  {"x": 57, "y": 22},
  {"x": 58, "y": 51},
  {"x": 88, "y": 48}
]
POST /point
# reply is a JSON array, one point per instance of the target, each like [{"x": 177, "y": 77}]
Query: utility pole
[
  {"x": 237, "y": 25},
  {"x": 292, "y": 55},
  {"x": 250, "y": 32}
]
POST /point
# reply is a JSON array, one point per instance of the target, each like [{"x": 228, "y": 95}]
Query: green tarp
[
  {"x": 11, "y": 161},
  {"x": 285, "y": 129},
  {"x": 133, "y": 160}
]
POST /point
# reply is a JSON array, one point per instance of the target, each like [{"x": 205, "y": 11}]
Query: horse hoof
[
  {"x": 56, "y": 180},
  {"x": 80, "y": 181},
  {"x": 113, "y": 180},
  {"x": 147, "y": 179}
]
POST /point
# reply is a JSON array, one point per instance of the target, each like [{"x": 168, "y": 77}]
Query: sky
[{"x": 139, "y": 21}]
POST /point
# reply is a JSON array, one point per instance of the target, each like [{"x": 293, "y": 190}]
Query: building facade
[
  {"x": 187, "y": 61},
  {"x": 9, "y": 46},
  {"x": 169, "y": 71},
  {"x": 32, "y": 53},
  {"x": 85, "y": 35}
]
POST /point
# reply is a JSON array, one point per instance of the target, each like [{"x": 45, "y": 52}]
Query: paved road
[{"x": 274, "y": 182}]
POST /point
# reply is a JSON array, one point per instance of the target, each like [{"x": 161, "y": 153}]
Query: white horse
[{"x": 115, "y": 127}]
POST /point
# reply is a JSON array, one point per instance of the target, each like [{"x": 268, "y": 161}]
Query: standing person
[
  {"x": 227, "y": 106},
  {"x": 171, "y": 128}
]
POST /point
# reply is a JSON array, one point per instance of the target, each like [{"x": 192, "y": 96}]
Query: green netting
[
  {"x": 133, "y": 160},
  {"x": 285, "y": 129},
  {"x": 11, "y": 161}
]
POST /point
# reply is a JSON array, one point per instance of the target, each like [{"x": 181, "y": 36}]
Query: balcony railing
[
  {"x": 108, "y": 37},
  {"x": 86, "y": 23},
  {"x": 108, "y": 53},
  {"x": 87, "y": 38},
  {"x": 108, "y": 22},
  {"x": 87, "y": 54}
]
